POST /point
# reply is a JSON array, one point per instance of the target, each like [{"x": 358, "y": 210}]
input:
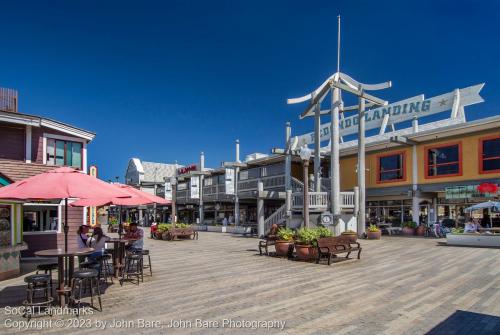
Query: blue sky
[{"x": 164, "y": 80}]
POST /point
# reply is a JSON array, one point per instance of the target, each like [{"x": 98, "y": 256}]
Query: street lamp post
[
  {"x": 305, "y": 155},
  {"x": 173, "y": 182}
]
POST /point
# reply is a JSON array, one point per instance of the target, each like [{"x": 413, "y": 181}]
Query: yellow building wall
[
  {"x": 470, "y": 159},
  {"x": 470, "y": 164}
]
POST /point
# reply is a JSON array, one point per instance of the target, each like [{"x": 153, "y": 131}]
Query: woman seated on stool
[{"x": 98, "y": 242}]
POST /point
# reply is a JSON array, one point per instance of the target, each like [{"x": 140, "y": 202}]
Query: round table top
[
  {"x": 62, "y": 253},
  {"x": 117, "y": 240}
]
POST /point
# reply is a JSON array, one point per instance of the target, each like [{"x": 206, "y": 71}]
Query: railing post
[
  {"x": 356, "y": 204},
  {"x": 260, "y": 209}
]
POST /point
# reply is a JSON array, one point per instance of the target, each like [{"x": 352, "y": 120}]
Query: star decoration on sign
[{"x": 443, "y": 102}]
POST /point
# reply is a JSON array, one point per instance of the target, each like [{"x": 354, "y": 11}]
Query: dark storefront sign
[{"x": 466, "y": 192}]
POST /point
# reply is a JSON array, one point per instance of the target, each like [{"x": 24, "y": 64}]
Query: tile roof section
[{"x": 17, "y": 170}]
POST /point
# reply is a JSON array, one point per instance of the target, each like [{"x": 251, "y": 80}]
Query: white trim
[
  {"x": 20, "y": 225},
  {"x": 19, "y": 119},
  {"x": 59, "y": 219},
  {"x": 82, "y": 134},
  {"x": 46, "y": 232},
  {"x": 12, "y": 218},
  {"x": 66, "y": 138},
  {"x": 28, "y": 144}
]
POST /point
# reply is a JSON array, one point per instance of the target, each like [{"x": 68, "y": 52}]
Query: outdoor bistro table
[
  {"x": 64, "y": 274},
  {"x": 118, "y": 253}
]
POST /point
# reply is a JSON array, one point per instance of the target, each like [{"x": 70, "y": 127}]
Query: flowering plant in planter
[
  {"x": 284, "y": 242},
  {"x": 374, "y": 232}
]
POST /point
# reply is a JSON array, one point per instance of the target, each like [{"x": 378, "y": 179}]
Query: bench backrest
[{"x": 326, "y": 242}]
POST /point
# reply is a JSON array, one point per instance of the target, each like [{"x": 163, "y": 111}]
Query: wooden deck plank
[{"x": 401, "y": 285}]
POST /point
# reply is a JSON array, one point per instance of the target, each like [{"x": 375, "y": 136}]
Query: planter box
[
  {"x": 199, "y": 227},
  {"x": 238, "y": 230},
  {"x": 473, "y": 240}
]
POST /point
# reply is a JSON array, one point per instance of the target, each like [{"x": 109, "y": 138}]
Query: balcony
[{"x": 318, "y": 201}]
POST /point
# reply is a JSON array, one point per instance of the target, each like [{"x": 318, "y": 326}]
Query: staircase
[{"x": 278, "y": 217}]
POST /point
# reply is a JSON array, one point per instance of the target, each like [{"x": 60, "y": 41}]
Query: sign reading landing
[{"x": 400, "y": 111}]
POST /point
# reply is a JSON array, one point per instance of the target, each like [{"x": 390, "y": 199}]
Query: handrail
[
  {"x": 275, "y": 218},
  {"x": 297, "y": 185}
]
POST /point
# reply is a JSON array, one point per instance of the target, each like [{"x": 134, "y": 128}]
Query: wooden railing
[
  {"x": 269, "y": 183},
  {"x": 347, "y": 199},
  {"x": 317, "y": 201}
]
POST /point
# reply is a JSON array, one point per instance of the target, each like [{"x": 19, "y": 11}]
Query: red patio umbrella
[
  {"x": 137, "y": 197},
  {"x": 61, "y": 183}
]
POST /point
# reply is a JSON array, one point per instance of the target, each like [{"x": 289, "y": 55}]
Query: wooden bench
[
  {"x": 182, "y": 232},
  {"x": 270, "y": 240},
  {"x": 332, "y": 246}
]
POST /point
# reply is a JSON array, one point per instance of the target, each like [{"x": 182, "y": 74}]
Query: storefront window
[
  {"x": 5, "y": 233},
  {"x": 40, "y": 218},
  {"x": 443, "y": 161},
  {"x": 490, "y": 155},
  {"x": 391, "y": 167},
  {"x": 64, "y": 153}
]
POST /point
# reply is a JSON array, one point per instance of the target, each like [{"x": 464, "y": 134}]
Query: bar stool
[
  {"x": 105, "y": 267},
  {"x": 37, "y": 283},
  {"x": 145, "y": 252},
  {"x": 47, "y": 269},
  {"x": 80, "y": 278},
  {"x": 132, "y": 268}
]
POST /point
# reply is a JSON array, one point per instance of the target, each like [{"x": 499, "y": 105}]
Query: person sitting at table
[
  {"x": 135, "y": 235},
  {"x": 98, "y": 242},
  {"x": 471, "y": 226},
  {"x": 82, "y": 237}
]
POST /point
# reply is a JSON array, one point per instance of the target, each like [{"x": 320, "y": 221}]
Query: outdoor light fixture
[{"x": 305, "y": 153}]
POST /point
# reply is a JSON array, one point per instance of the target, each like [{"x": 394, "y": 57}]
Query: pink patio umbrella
[
  {"x": 137, "y": 197},
  {"x": 61, "y": 183}
]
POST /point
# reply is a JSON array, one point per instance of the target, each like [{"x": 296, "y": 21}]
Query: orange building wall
[
  {"x": 470, "y": 160},
  {"x": 470, "y": 164}
]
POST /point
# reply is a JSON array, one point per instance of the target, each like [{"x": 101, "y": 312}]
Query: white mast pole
[{"x": 334, "y": 140}]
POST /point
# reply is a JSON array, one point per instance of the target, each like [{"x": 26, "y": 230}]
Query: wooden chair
[
  {"x": 270, "y": 240},
  {"x": 332, "y": 246}
]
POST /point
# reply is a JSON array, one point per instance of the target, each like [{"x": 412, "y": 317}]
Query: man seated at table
[
  {"x": 471, "y": 226},
  {"x": 135, "y": 235}
]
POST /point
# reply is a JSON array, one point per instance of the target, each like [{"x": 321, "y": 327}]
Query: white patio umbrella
[{"x": 490, "y": 205}]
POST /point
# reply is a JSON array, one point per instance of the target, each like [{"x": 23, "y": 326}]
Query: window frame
[
  {"x": 443, "y": 145},
  {"x": 480, "y": 154},
  {"x": 403, "y": 167},
  {"x": 65, "y": 139}
]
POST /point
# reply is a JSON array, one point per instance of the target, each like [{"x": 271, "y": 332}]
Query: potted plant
[
  {"x": 374, "y": 232},
  {"x": 409, "y": 228},
  {"x": 420, "y": 231},
  {"x": 351, "y": 234},
  {"x": 306, "y": 241},
  {"x": 162, "y": 231},
  {"x": 285, "y": 240},
  {"x": 305, "y": 244}
]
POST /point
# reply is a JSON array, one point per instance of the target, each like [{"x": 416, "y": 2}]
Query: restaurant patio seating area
[{"x": 396, "y": 287}]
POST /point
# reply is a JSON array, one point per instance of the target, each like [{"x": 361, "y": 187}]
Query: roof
[
  {"x": 18, "y": 170},
  {"x": 38, "y": 121},
  {"x": 156, "y": 172}
]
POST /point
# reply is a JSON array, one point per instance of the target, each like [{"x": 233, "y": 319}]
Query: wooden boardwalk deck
[{"x": 400, "y": 286}]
